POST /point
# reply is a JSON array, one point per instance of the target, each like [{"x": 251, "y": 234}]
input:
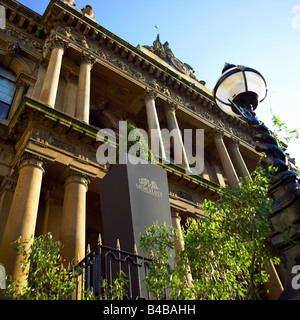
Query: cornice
[
  {"x": 110, "y": 50},
  {"x": 130, "y": 60}
]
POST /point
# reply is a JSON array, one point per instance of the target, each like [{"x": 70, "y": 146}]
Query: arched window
[{"x": 7, "y": 91}]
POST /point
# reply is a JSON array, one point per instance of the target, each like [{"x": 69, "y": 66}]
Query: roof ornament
[
  {"x": 70, "y": 2},
  {"x": 88, "y": 11},
  {"x": 165, "y": 53}
]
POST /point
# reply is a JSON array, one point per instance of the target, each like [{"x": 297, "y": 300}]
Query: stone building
[{"x": 63, "y": 77}]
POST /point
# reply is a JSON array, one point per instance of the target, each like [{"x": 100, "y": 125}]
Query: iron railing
[{"x": 103, "y": 265}]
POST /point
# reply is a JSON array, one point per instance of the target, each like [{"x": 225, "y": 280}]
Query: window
[{"x": 7, "y": 91}]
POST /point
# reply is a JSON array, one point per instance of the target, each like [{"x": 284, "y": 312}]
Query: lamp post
[{"x": 238, "y": 92}]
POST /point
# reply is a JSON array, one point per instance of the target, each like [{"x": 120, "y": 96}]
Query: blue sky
[{"x": 262, "y": 34}]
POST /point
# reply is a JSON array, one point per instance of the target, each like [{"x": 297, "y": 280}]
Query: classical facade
[{"x": 62, "y": 78}]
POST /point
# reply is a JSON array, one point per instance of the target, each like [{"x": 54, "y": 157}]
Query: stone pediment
[{"x": 164, "y": 52}]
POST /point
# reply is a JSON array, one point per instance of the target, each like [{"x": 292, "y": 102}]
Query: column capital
[
  {"x": 71, "y": 77},
  {"x": 9, "y": 184},
  {"x": 233, "y": 141},
  {"x": 21, "y": 83},
  {"x": 55, "y": 41},
  {"x": 175, "y": 213},
  {"x": 54, "y": 197},
  {"x": 86, "y": 57},
  {"x": 13, "y": 48},
  {"x": 33, "y": 160},
  {"x": 43, "y": 63},
  {"x": 78, "y": 177},
  {"x": 217, "y": 133},
  {"x": 150, "y": 94},
  {"x": 172, "y": 105}
]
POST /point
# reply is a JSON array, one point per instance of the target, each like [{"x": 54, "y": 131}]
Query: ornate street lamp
[{"x": 238, "y": 92}]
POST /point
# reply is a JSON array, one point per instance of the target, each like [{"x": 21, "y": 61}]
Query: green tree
[
  {"x": 282, "y": 133},
  {"x": 227, "y": 249},
  {"x": 47, "y": 278},
  {"x": 136, "y": 145}
]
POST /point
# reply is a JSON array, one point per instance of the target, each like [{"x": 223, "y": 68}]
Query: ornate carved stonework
[
  {"x": 172, "y": 105},
  {"x": 78, "y": 177},
  {"x": 70, "y": 2},
  {"x": 9, "y": 184},
  {"x": 68, "y": 34},
  {"x": 21, "y": 39},
  {"x": 86, "y": 57},
  {"x": 54, "y": 41},
  {"x": 13, "y": 48},
  {"x": 61, "y": 144},
  {"x": 150, "y": 94},
  {"x": 165, "y": 53},
  {"x": 33, "y": 160},
  {"x": 88, "y": 10},
  {"x": 54, "y": 197}
]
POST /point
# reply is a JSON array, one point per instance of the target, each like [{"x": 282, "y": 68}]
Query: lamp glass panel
[
  {"x": 256, "y": 84},
  {"x": 231, "y": 86}
]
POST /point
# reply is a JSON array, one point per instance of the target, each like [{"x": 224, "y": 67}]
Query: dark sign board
[{"x": 133, "y": 197}]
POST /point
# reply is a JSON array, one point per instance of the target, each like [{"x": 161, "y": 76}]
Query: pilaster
[
  {"x": 22, "y": 217},
  {"x": 57, "y": 47},
  {"x": 237, "y": 158},
  {"x": 84, "y": 87},
  {"x": 153, "y": 124},
  {"x": 225, "y": 158},
  {"x": 178, "y": 147},
  {"x": 73, "y": 224}
]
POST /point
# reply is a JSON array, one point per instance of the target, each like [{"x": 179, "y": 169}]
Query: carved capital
[
  {"x": 54, "y": 197},
  {"x": 8, "y": 184},
  {"x": 77, "y": 177},
  {"x": 217, "y": 133},
  {"x": 175, "y": 213},
  {"x": 150, "y": 94},
  {"x": 33, "y": 160},
  {"x": 86, "y": 57},
  {"x": 25, "y": 80},
  {"x": 43, "y": 63},
  {"x": 234, "y": 142},
  {"x": 101, "y": 103},
  {"x": 172, "y": 105},
  {"x": 71, "y": 77},
  {"x": 13, "y": 48},
  {"x": 55, "y": 41}
]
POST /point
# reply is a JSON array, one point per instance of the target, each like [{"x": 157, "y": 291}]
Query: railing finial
[
  {"x": 88, "y": 250},
  {"x": 118, "y": 244},
  {"x": 99, "y": 240},
  {"x": 135, "y": 251}
]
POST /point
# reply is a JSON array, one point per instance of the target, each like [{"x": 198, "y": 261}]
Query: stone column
[
  {"x": 225, "y": 159},
  {"x": 71, "y": 93},
  {"x": 53, "y": 212},
  {"x": 23, "y": 212},
  {"x": 73, "y": 224},
  {"x": 8, "y": 186},
  {"x": 84, "y": 88},
  {"x": 153, "y": 123},
  {"x": 40, "y": 80},
  {"x": 237, "y": 158},
  {"x": 178, "y": 241},
  {"x": 21, "y": 88},
  {"x": 50, "y": 84},
  {"x": 218, "y": 173},
  {"x": 178, "y": 147}
]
